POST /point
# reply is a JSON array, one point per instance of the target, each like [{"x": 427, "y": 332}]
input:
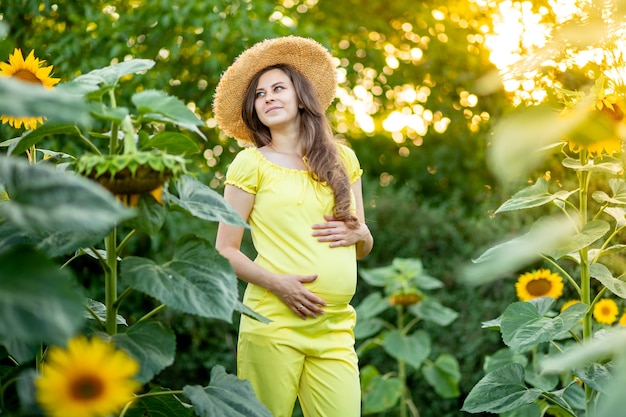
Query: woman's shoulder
[{"x": 347, "y": 154}]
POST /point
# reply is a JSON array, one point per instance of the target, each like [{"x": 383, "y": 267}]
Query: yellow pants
[{"x": 313, "y": 359}]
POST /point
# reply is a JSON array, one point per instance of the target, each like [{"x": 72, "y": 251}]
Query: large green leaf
[
  {"x": 174, "y": 143},
  {"x": 618, "y": 187},
  {"x": 381, "y": 394},
  {"x": 159, "y": 403},
  {"x": 412, "y": 349},
  {"x": 24, "y": 99},
  {"x": 524, "y": 324},
  {"x": 614, "y": 403},
  {"x": 431, "y": 310},
  {"x": 201, "y": 201},
  {"x": 616, "y": 285},
  {"x": 607, "y": 344},
  {"x": 500, "y": 391},
  {"x": 372, "y": 305},
  {"x": 511, "y": 255},
  {"x": 605, "y": 164},
  {"x": 152, "y": 344},
  {"x": 106, "y": 76},
  {"x": 443, "y": 375},
  {"x": 502, "y": 357},
  {"x": 226, "y": 396},
  {"x": 62, "y": 210},
  {"x": 159, "y": 106},
  {"x": 197, "y": 280},
  {"x": 591, "y": 232},
  {"x": 150, "y": 217},
  {"x": 39, "y": 303},
  {"x": 597, "y": 376},
  {"x": 534, "y": 196},
  {"x": 20, "y": 144}
]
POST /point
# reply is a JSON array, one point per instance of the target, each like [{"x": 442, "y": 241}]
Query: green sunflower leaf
[
  {"x": 151, "y": 215},
  {"x": 525, "y": 325},
  {"x": 26, "y": 99},
  {"x": 226, "y": 396},
  {"x": 431, "y": 310},
  {"x": 166, "y": 404},
  {"x": 381, "y": 394},
  {"x": 616, "y": 285},
  {"x": 500, "y": 391},
  {"x": 534, "y": 196},
  {"x": 591, "y": 232},
  {"x": 159, "y": 106},
  {"x": 443, "y": 375},
  {"x": 105, "y": 77},
  {"x": 19, "y": 145},
  {"x": 607, "y": 164},
  {"x": 371, "y": 306},
  {"x": 39, "y": 303},
  {"x": 152, "y": 344},
  {"x": 173, "y": 143},
  {"x": 201, "y": 201},
  {"x": 61, "y": 210},
  {"x": 196, "y": 281},
  {"x": 412, "y": 349},
  {"x": 618, "y": 187}
]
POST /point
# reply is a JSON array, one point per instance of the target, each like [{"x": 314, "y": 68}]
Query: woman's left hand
[{"x": 338, "y": 233}]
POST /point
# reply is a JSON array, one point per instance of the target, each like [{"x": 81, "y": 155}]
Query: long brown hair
[{"x": 320, "y": 147}]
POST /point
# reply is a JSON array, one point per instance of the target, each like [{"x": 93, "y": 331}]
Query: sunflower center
[
  {"x": 27, "y": 76},
  {"x": 539, "y": 287},
  {"x": 86, "y": 388}
]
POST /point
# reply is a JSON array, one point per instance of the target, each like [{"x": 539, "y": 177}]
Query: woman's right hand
[{"x": 301, "y": 301}]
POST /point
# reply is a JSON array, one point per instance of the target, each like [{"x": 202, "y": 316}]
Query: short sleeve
[
  {"x": 351, "y": 163},
  {"x": 243, "y": 172}
]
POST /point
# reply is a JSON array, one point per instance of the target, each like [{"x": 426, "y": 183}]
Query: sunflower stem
[
  {"x": 129, "y": 137},
  {"x": 110, "y": 282},
  {"x": 402, "y": 365},
  {"x": 153, "y": 312},
  {"x": 585, "y": 278}
]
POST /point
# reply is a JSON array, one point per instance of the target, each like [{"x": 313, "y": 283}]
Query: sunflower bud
[{"x": 405, "y": 297}]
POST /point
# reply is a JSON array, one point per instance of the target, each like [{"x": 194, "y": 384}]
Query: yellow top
[{"x": 287, "y": 203}]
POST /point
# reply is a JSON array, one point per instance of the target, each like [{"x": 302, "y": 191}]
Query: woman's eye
[
  {"x": 278, "y": 88},
  {"x": 260, "y": 94}
]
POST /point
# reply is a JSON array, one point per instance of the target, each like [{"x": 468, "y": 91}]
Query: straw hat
[{"x": 305, "y": 55}]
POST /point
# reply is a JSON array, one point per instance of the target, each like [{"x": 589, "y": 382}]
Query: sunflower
[
  {"x": 539, "y": 283},
  {"x": 622, "y": 320},
  {"x": 31, "y": 70},
  {"x": 605, "y": 311},
  {"x": 88, "y": 379}
]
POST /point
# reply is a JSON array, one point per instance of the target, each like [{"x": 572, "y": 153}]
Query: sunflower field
[{"x": 491, "y": 135}]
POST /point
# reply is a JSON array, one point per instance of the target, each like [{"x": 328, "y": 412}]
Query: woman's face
[{"x": 276, "y": 102}]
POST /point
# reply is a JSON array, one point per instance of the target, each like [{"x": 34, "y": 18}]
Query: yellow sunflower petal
[
  {"x": 605, "y": 311},
  {"x": 539, "y": 283},
  {"x": 89, "y": 378}
]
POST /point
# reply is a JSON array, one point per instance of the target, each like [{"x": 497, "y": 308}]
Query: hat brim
[{"x": 305, "y": 55}]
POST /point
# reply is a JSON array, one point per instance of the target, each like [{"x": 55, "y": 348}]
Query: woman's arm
[
  {"x": 339, "y": 234},
  {"x": 288, "y": 288},
  {"x": 366, "y": 242}
]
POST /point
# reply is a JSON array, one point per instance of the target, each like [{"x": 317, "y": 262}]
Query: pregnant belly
[{"x": 336, "y": 270}]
